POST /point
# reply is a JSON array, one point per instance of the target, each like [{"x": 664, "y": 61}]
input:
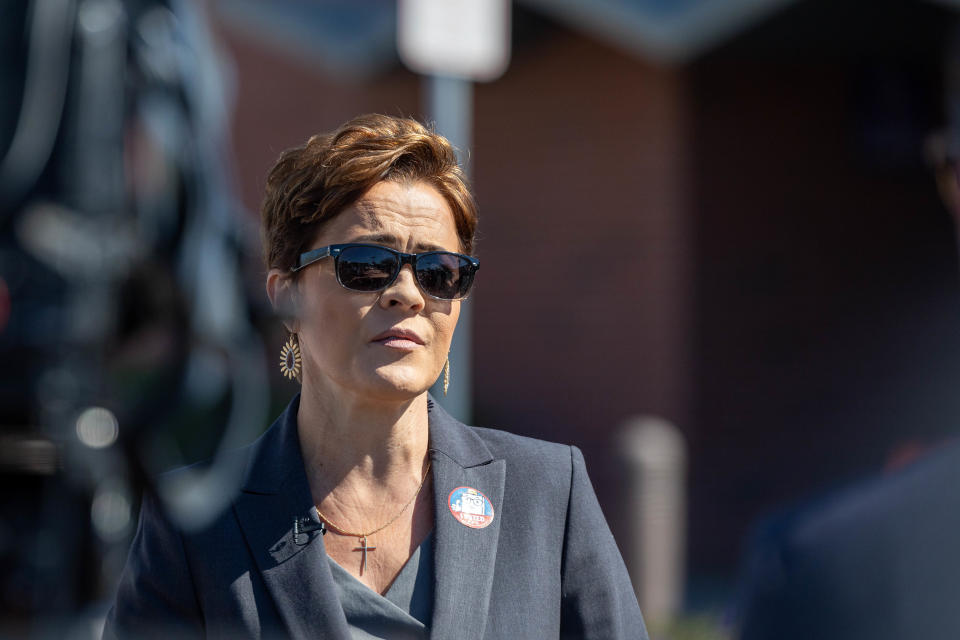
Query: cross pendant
[{"x": 364, "y": 548}]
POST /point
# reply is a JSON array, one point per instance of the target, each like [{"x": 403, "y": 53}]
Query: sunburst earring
[
  {"x": 290, "y": 358},
  {"x": 446, "y": 375}
]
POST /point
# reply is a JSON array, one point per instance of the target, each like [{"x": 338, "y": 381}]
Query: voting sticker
[{"x": 470, "y": 507}]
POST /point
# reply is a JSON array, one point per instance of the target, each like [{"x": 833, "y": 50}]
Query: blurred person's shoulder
[
  {"x": 924, "y": 490},
  {"x": 874, "y": 559}
]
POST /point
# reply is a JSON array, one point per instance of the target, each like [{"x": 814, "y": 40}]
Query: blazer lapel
[
  {"x": 294, "y": 568},
  {"x": 464, "y": 557}
]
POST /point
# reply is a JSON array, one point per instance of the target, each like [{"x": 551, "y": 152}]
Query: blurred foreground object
[
  {"x": 656, "y": 457},
  {"x": 123, "y": 315}
]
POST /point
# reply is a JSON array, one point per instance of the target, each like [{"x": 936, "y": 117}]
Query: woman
[{"x": 366, "y": 510}]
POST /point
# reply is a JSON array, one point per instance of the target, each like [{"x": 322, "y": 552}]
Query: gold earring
[
  {"x": 290, "y": 358},
  {"x": 446, "y": 375}
]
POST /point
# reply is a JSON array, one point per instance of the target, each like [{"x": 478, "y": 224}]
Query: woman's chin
[{"x": 401, "y": 383}]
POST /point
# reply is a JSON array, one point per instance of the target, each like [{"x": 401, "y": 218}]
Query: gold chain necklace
[{"x": 363, "y": 536}]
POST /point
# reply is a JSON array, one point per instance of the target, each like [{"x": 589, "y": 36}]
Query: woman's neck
[{"x": 357, "y": 448}]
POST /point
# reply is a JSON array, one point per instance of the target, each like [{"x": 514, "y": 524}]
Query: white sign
[{"x": 461, "y": 38}]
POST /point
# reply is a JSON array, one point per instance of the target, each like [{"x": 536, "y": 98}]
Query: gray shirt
[{"x": 403, "y": 612}]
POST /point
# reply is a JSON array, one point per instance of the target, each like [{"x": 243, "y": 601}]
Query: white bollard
[{"x": 656, "y": 457}]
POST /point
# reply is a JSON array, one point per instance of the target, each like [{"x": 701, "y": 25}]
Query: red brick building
[{"x": 746, "y": 241}]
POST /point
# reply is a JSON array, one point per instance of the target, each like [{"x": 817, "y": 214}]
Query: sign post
[{"x": 455, "y": 43}]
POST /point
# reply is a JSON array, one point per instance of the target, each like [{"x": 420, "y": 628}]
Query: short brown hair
[{"x": 310, "y": 184}]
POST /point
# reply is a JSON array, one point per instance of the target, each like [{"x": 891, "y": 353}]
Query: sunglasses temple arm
[{"x": 308, "y": 258}]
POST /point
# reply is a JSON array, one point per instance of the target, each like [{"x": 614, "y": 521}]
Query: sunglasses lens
[
  {"x": 445, "y": 275},
  {"x": 366, "y": 268},
  {"x": 441, "y": 274}
]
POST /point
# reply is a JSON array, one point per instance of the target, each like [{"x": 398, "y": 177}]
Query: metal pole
[{"x": 450, "y": 107}]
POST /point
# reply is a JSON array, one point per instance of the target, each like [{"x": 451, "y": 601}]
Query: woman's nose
[{"x": 404, "y": 290}]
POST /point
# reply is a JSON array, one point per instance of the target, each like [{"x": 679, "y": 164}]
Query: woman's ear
[{"x": 281, "y": 289}]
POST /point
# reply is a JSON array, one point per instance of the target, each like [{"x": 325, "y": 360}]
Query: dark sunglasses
[{"x": 369, "y": 267}]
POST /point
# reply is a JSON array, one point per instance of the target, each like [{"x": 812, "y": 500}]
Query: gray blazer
[{"x": 547, "y": 565}]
